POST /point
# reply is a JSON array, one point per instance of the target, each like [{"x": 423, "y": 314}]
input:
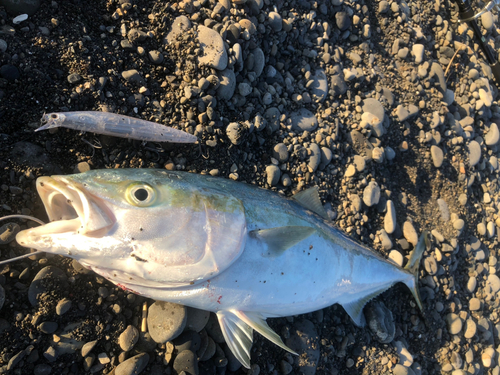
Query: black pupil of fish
[{"x": 141, "y": 194}]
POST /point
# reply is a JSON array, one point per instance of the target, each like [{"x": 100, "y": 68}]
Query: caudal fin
[{"x": 414, "y": 263}]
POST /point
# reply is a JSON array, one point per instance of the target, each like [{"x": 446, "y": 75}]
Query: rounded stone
[
  {"x": 196, "y": 319},
  {"x": 166, "y": 321},
  {"x": 275, "y": 21},
  {"x": 454, "y": 323},
  {"x": 9, "y": 72},
  {"x": 437, "y": 156},
  {"x": 410, "y": 233},
  {"x": 8, "y": 233},
  {"x": 491, "y": 138},
  {"x": 390, "y": 217},
  {"x": 470, "y": 328},
  {"x": 371, "y": 194},
  {"x": 133, "y": 366},
  {"x": 280, "y": 152},
  {"x": 214, "y": 53},
  {"x": 273, "y": 174},
  {"x": 304, "y": 120},
  {"x": 186, "y": 362},
  {"x": 128, "y": 338},
  {"x": 63, "y": 306},
  {"x": 474, "y": 153}
]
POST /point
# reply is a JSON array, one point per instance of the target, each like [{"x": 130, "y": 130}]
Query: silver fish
[
  {"x": 242, "y": 252},
  {"x": 115, "y": 125}
]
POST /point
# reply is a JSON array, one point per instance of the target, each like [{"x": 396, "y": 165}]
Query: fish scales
[{"x": 242, "y": 252}]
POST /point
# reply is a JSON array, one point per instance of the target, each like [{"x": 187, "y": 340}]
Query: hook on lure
[{"x": 26, "y": 217}]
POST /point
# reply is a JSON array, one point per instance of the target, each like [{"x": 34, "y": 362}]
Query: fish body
[
  {"x": 243, "y": 252},
  {"x": 115, "y": 125}
]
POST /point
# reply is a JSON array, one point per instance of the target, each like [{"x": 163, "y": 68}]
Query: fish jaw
[{"x": 72, "y": 212}]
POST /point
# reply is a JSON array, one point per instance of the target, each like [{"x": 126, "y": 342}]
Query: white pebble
[{"x": 390, "y": 217}]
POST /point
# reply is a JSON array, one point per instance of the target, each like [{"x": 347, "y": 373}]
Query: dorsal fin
[
  {"x": 309, "y": 199},
  {"x": 281, "y": 238}
]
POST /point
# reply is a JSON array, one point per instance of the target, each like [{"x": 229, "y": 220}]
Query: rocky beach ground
[{"x": 386, "y": 106}]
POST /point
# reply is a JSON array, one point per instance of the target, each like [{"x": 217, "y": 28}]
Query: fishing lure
[{"x": 115, "y": 125}]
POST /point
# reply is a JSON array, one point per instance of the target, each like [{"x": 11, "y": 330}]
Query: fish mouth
[{"x": 71, "y": 208}]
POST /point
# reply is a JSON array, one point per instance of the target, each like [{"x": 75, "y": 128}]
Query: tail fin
[{"x": 413, "y": 264}]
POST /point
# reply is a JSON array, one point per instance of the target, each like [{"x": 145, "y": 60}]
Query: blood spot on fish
[
  {"x": 218, "y": 299},
  {"x": 310, "y": 247}
]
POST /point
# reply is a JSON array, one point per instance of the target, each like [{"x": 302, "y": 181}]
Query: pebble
[
  {"x": 470, "y": 328},
  {"x": 444, "y": 210},
  {"x": 390, "y": 217},
  {"x": 487, "y": 20},
  {"x": 227, "y": 85},
  {"x": 87, "y": 348},
  {"x": 156, "y": 57},
  {"x": 275, "y": 21},
  {"x": 134, "y": 77},
  {"x": 196, "y": 319},
  {"x": 166, "y": 321},
  {"x": 8, "y": 233},
  {"x": 493, "y": 282},
  {"x": 186, "y": 362},
  {"x": 280, "y": 152},
  {"x": 338, "y": 85},
  {"x": 418, "y": 52},
  {"x": 474, "y": 153},
  {"x": 474, "y": 304},
  {"x": 180, "y": 25},
  {"x": 454, "y": 323},
  {"x": 3, "y": 45},
  {"x": 360, "y": 164},
  {"x": 273, "y": 174},
  {"x": 471, "y": 284},
  {"x": 437, "y": 156},
  {"x": 371, "y": 194},
  {"x": 133, "y": 366},
  {"x": 410, "y": 233},
  {"x": 214, "y": 53},
  {"x": 491, "y": 138},
  {"x": 9, "y": 72},
  {"x": 128, "y": 338},
  {"x": 304, "y": 120},
  {"x": 63, "y": 306},
  {"x": 314, "y": 158},
  {"x": 48, "y": 327},
  {"x": 234, "y": 132},
  {"x": 405, "y": 358},
  {"x": 396, "y": 257},
  {"x": 319, "y": 88},
  {"x": 259, "y": 61},
  {"x": 488, "y": 357},
  {"x": 342, "y": 20},
  {"x": 42, "y": 369},
  {"x": 374, "y": 107}
]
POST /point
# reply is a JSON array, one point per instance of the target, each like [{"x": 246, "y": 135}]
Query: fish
[
  {"x": 115, "y": 125},
  {"x": 242, "y": 252}
]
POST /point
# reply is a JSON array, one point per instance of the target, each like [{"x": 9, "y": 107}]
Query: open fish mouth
[{"x": 71, "y": 208}]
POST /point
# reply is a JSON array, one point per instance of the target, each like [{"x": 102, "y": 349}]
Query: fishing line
[{"x": 26, "y": 217}]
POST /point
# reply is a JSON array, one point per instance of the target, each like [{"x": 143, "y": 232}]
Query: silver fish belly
[{"x": 242, "y": 252}]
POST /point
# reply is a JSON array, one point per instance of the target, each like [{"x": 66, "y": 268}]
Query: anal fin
[
  {"x": 237, "y": 328},
  {"x": 238, "y": 336},
  {"x": 355, "y": 308}
]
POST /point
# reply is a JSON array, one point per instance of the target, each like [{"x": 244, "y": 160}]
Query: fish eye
[
  {"x": 53, "y": 115},
  {"x": 141, "y": 194}
]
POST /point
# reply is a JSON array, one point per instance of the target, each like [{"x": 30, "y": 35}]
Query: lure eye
[{"x": 141, "y": 194}]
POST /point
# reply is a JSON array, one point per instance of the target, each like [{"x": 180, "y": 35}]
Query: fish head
[{"x": 158, "y": 226}]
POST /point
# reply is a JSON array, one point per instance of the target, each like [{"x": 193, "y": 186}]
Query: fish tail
[{"x": 413, "y": 265}]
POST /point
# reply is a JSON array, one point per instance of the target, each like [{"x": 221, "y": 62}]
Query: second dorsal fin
[{"x": 309, "y": 199}]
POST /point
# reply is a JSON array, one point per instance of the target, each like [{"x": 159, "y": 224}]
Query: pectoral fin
[
  {"x": 281, "y": 238},
  {"x": 309, "y": 199}
]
